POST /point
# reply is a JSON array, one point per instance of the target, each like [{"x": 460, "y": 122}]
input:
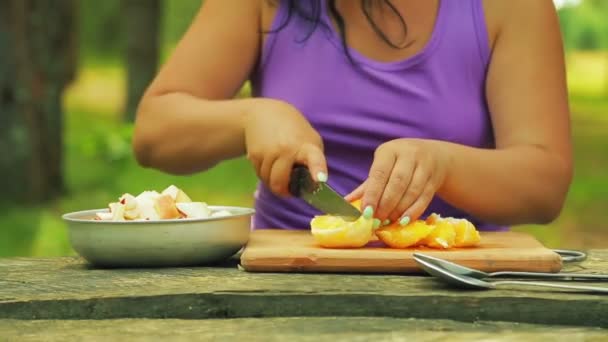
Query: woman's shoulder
[{"x": 502, "y": 14}]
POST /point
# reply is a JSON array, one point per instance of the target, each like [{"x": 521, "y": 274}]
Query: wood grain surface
[
  {"x": 68, "y": 288},
  {"x": 273, "y": 250}
]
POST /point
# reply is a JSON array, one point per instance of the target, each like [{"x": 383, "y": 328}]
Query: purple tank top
[{"x": 436, "y": 94}]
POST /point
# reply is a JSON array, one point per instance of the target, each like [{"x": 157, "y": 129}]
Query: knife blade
[{"x": 320, "y": 195}]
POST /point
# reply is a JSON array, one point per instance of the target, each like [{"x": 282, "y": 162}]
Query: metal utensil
[
  {"x": 159, "y": 243},
  {"x": 571, "y": 256},
  {"x": 320, "y": 195},
  {"x": 469, "y": 272},
  {"x": 467, "y": 282}
]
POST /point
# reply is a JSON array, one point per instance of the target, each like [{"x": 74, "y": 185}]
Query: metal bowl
[{"x": 162, "y": 243}]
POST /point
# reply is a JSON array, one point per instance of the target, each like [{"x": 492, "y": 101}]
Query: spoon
[
  {"x": 463, "y": 281},
  {"x": 469, "y": 272}
]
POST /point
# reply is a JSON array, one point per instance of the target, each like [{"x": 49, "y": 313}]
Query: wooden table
[{"x": 61, "y": 299}]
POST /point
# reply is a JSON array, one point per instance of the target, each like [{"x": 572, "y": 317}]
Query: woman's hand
[
  {"x": 404, "y": 177},
  {"x": 276, "y": 137}
]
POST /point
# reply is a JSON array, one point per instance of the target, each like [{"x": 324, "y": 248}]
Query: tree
[
  {"x": 37, "y": 61},
  {"x": 141, "y": 25}
]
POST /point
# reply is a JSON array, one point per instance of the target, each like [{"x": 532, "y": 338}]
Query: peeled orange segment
[
  {"x": 466, "y": 234},
  {"x": 434, "y": 232},
  {"x": 433, "y": 218},
  {"x": 356, "y": 204},
  {"x": 396, "y": 236},
  {"x": 335, "y": 232},
  {"x": 443, "y": 236}
]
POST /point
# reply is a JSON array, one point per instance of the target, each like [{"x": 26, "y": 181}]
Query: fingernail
[
  {"x": 386, "y": 222},
  {"x": 368, "y": 212},
  {"x": 376, "y": 223},
  {"x": 404, "y": 221},
  {"x": 322, "y": 177}
]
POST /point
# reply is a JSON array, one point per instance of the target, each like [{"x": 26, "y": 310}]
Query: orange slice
[
  {"x": 335, "y": 232},
  {"x": 356, "y": 204},
  {"x": 466, "y": 234},
  {"x": 443, "y": 236},
  {"x": 396, "y": 236}
]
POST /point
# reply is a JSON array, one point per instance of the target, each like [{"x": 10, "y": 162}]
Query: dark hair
[{"x": 310, "y": 12}]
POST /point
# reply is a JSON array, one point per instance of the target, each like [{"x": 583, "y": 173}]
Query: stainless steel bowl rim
[{"x": 77, "y": 216}]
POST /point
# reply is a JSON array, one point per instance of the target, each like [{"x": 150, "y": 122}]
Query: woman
[{"x": 451, "y": 106}]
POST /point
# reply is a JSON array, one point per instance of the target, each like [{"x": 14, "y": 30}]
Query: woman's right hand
[{"x": 277, "y": 136}]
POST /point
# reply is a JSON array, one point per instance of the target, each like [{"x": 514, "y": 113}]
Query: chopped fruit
[
  {"x": 131, "y": 210},
  {"x": 165, "y": 206},
  {"x": 132, "y": 214},
  {"x": 433, "y": 218},
  {"x": 396, "y": 236},
  {"x": 117, "y": 210},
  {"x": 335, "y": 232},
  {"x": 177, "y": 194},
  {"x": 434, "y": 232},
  {"x": 171, "y": 190},
  {"x": 443, "y": 236},
  {"x": 356, "y": 204},
  {"x": 129, "y": 201},
  {"x": 182, "y": 197},
  {"x": 145, "y": 203},
  {"x": 466, "y": 234},
  {"x": 194, "y": 209},
  {"x": 172, "y": 203}
]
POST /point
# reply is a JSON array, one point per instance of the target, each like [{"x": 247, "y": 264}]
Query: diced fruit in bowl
[
  {"x": 171, "y": 203},
  {"x": 177, "y": 194},
  {"x": 165, "y": 207},
  {"x": 194, "y": 209}
]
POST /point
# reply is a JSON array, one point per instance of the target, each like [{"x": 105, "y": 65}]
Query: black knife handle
[{"x": 300, "y": 178}]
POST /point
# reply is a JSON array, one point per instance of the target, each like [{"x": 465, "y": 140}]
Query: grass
[{"x": 99, "y": 166}]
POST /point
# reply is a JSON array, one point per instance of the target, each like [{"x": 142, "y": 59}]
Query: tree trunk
[
  {"x": 141, "y": 25},
  {"x": 37, "y": 61}
]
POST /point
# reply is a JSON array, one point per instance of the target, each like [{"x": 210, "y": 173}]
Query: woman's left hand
[{"x": 403, "y": 178}]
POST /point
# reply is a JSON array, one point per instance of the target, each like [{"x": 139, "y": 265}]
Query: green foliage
[
  {"x": 100, "y": 33},
  {"x": 178, "y": 15},
  {"x": 585, "y": 26},
  {"x": 101, "y": 27},
  {"x": 109, "y": 145}
]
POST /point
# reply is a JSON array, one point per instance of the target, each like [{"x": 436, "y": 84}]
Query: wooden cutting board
[{"x": 274, "y": 250}]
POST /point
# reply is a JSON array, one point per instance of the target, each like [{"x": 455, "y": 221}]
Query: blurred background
[{"x": 71, "y": 72}]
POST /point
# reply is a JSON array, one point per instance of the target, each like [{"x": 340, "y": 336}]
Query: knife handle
[{"x": 300, "y": 178}]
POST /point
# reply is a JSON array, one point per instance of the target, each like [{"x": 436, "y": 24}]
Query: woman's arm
[
  {"x": 527, "y": 177},
  {"x": 187, "y": 121}
]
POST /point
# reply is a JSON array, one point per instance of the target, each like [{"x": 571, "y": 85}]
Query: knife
[{"x": 320, "y": 195}]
